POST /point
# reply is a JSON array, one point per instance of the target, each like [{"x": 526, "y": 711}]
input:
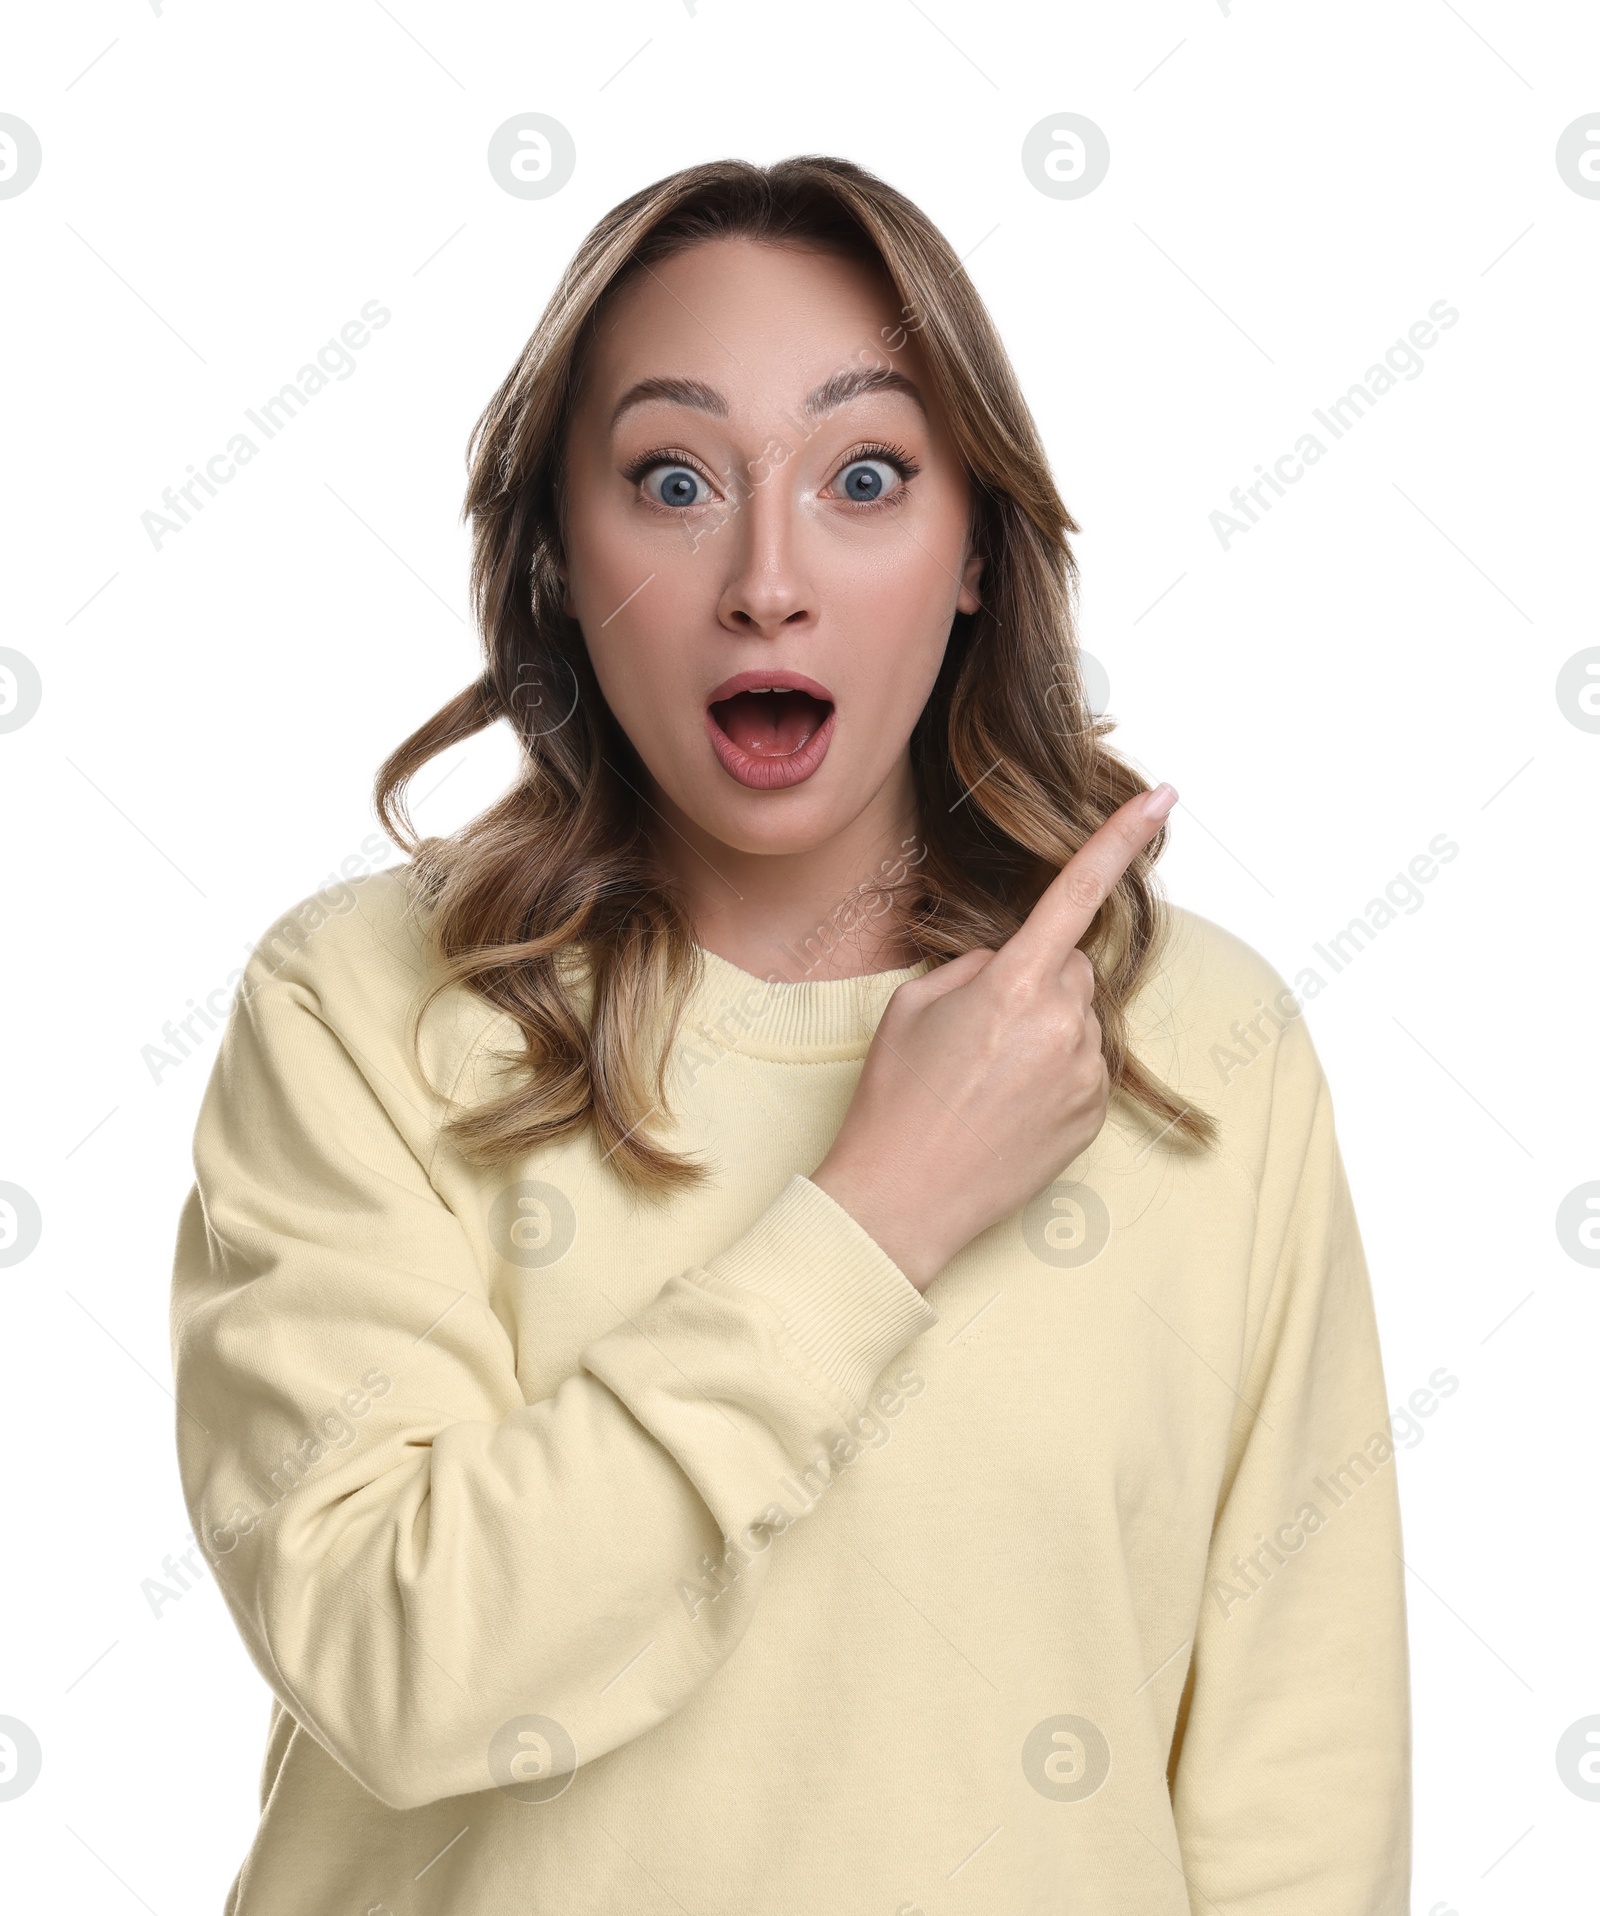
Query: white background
[{"x": 1374, "y": 663}]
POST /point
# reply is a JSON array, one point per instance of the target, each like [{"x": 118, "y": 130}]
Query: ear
[
  {"x": 566, "y": 591},
  {"x": 971, "y": 573}
]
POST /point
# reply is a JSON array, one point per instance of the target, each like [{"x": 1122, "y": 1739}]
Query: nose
[{"x": 767, "y": 589}]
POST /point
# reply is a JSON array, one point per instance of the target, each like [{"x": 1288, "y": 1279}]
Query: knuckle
[
  {"x": 904, "y": 1002},
  {"x": 1067, "y": 1026},
  {"x": 1078, "y": 969},
  {"x": 1086, "y": 889},
  {"x": 1018, "y": 991}
]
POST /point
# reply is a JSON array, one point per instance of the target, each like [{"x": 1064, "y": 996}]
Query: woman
[{"x": 737, "y": 1340}]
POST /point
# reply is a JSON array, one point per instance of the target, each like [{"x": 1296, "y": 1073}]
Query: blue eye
[
  {"x": 675, "y": 486},
  {"x": 868, "y": 479}
]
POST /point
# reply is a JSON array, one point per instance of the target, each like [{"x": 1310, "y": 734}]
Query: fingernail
[{"x": 1161, "y": 801}]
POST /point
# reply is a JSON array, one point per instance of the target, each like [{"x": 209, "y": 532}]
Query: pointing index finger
[{"x": 1067, "y": 905}]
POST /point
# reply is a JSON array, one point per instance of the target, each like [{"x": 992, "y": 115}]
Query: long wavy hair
[{"x": 1012, "y": 772}]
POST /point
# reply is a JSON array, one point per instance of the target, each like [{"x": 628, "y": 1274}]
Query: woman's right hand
[{"x": 985, "y": 1078}]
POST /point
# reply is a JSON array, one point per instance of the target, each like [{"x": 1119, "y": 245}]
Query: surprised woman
[{"x": 737, "y": 1348}]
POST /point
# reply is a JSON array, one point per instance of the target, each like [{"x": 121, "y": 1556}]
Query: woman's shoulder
[
  {"x": 356, "y": 954},
  {"x": 1204, "y": 962},
  {"x": 348, "y": 929},
  {"x": 1219, "y": 1022}
]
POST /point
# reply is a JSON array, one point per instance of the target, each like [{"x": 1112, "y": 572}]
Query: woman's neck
[{"x": 829, "y": 911}]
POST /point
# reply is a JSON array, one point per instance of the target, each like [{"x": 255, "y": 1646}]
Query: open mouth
[{"x": 770, "y": 729}]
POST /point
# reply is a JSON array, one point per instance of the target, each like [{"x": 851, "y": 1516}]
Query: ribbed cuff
[{"x": 840, "y": 1296}]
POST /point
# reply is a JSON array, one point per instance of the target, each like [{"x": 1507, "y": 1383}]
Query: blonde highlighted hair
[{"x": 1011, "y": 768}]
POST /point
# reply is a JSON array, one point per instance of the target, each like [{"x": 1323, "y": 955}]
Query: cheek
[
  {"x": 626, "y": 601},
  {"x": 901, "y": 600},
  {"x": 600, "y": 555},
  {"x": 896, "y": 674},
  {"x": 899, "y": 626},
  {"x": 640, "y": 672},
  {"x": 903, "y": 590},
  {"x": 910, "y": 572}
]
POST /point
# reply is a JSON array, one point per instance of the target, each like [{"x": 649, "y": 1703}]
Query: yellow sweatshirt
[{"x": 610, "y": 1556}]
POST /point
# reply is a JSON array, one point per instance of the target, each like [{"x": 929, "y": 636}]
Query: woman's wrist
[{"x": 903, "y": 1240}]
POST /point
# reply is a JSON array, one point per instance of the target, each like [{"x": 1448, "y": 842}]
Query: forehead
[{"x": 762, "y": 324}]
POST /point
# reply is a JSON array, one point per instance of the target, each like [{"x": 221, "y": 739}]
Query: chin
[{"x": 773, "y": 825}]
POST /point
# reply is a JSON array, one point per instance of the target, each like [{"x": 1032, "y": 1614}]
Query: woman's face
[{"x": 760, "y": 494}]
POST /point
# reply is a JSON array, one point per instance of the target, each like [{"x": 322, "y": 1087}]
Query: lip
[
  {"x": 771, "y": 774},
  {"x": 779, "y": 677}
]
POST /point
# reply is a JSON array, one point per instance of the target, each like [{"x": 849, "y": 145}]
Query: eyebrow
[{"x": 828, "y": 397}]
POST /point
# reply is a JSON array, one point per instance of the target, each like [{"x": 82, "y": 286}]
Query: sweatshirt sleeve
[
  {"x": 414, "y": 1555},
  {"x": 1291, "y": 1774}
]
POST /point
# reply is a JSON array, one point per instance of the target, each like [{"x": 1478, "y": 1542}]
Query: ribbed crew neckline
[{"x": 812, "y": 1021}]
